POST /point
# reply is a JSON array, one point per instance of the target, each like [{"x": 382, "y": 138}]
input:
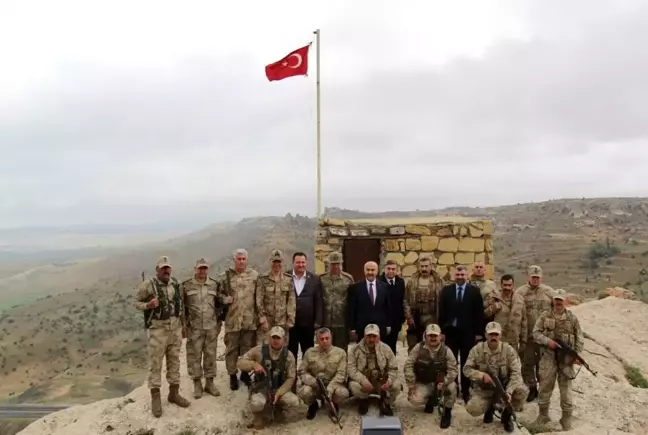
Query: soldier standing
[
  {"x": 508, "y": 309},
  {"x": 373, "y": 369},
  {"x": 432, "y": 365},
  {"x": 421, "y": 301},
  {"x": 236, "y": 288},
  {"x": 276, "y": 301},
  {"x": 336, "y": 283},
  {"x": 161, "y": 301},
  {"x": 202, "y": 309},
  {"x": 328, "y": 362},
  {"x": 500, "y": 359},
  {"x": 478, "y": 279},
  {"x": 551, "y": 325},
  {"x": 272, "y": 360},
  {"x": 537, "y": 299}
]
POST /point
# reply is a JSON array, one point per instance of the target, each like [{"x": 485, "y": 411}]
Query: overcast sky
[{"x": 142, "y": 111}]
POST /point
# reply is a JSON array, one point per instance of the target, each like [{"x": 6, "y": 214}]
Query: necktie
[
  {"x": 460, "y": 294},
  {"x": 391, "y": 282},
  {"x": 371, "y": 294}
]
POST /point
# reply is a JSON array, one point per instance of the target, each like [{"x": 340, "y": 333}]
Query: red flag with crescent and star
[{"x": 293, "y": 64}]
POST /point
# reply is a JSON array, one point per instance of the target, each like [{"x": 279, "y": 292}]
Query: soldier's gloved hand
[
  {"x": 552, "y": 344},
  {"x": 486, "y": 379},
  {"x": 229, "y": 299},
  {"x": 386, "y": 385},
  {"x": 153, "y": 303},
  {"x": 275, "y": 399},
  {"x": 497, "y": 307},
  {"x": 258, "y": 368},
  {"x": 367, "y": 387},
  {"x": 410, "y": 321},
  {"x": 312, "y": 382},
  {"x": 440, "y": 386}
]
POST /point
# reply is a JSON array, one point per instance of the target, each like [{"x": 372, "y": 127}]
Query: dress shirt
[{"x": 299, "y": 282}]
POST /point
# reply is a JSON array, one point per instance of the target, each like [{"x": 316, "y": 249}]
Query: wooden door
[{"x": 356, "y": 252}]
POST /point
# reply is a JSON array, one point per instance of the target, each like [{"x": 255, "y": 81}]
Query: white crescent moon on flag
[{"x": 299, "y": 60}]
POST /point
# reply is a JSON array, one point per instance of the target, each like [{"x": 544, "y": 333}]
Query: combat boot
[
  {"x": 175, "y": 397},
  {"x": 156, "y": 402},
  {"x": 363, "y": 406},
  {"x": 312, "y": 410},
  {"x": 257, "y": 421},
  {"x": 533, "y": 393},
  {"x": 210, "y": 388},
  {"x": 234, "y": 385},
  {"x": 507, "y": 421},
  {"x": 198, "y": 388},
  {"x": 429, "y": 406},
  {"x": 488, "y": 415},
  {"x": 446, "y": 418},
  {"x": 386, "y": 409},
  {"x": 543, "y": 415},
  {"x": 566, "y": 420},
  {"x": 245, "y": 378}
]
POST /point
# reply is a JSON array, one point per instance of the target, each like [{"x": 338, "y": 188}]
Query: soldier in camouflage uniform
[
  {"x": 507, "y": 308},
  {"x": 336, "y": 283},
  {"x": 537, "y": 298},
  {"x": 276, "y": 302},
  {"x": 486, "y": 286},
  {"x": 275, "y": 360},
  {"x": 373, "y": 369},
  {"x": 502, "y": 360},
  {"x": 161, "y": 301},
  {"x": 557, "y": 323},
  {"x": 202, "y": 311},
  {"x": 328, "y": 362},
  {"x": 432, "y": 365},
  {"x": 421, "y": 301},
  {"x": 236, "y": 288}
]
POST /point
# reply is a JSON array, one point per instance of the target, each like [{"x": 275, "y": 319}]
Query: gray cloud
[{"x": 559, "y": 113}]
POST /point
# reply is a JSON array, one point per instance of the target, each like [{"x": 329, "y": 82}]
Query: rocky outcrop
[
  {"x": 620, "y": 292},
  {"x": 616, "y": 333}
]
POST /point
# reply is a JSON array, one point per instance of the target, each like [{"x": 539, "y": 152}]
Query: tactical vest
[
  {"x": 427, "y": 368},
  {"x": 276, "y": 369},
  {"x": 502, "y": 371},
  {"x": 563, "y": 329},
  {"x": 166, "y": 308}
]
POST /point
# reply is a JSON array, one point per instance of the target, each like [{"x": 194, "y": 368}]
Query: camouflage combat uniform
[
  {"x": 510, "y": 312},
  {"x": 276, "y": 303},
  {"x": 331, "y": 365},
  {"x": 552, "y": 325},
  {"x": 335, "y": 302},
  {"x": 536, "y": 301},
  {"x": 202, "y": 313},
  {"x": 421, "y": 304},
  {"x": 241, "y": 321},
  {"x": 372, "y": 365},
  {"x": 486, "y": 286}
]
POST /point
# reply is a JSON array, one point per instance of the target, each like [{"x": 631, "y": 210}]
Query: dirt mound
[{"x": 617, "y": 336}]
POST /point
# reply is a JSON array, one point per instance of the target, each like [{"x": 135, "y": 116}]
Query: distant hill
[{"x": 84, "y": 341}]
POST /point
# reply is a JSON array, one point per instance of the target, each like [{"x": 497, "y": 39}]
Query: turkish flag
[{"x": 294, "y": 64}]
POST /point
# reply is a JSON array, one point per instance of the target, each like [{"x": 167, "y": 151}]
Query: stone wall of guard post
[{"x": 448, "y": 244}]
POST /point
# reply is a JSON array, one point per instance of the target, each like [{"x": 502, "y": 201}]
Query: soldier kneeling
[
  {"x": 497, "y": 357},
  {"x": 274, "y": 375},
  {"x": 432, "y": 366}
]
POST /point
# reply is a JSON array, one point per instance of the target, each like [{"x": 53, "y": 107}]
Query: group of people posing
[{"x": 493, "y": 331}]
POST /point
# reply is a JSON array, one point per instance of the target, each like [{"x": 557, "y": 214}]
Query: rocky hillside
[{"x": 615, "y": 347}]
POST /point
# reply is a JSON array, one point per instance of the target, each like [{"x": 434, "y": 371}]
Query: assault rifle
[
  {"x": 384, "y": 395},
  {"x": 271, "y": 390},
  {"x": 225, "y": 307},
  {"x": 435, "y": 401},
  {"x": 565, "y": 350},
  {"x": 500, "y": 394},
  {"x": 328, "y": 401}
]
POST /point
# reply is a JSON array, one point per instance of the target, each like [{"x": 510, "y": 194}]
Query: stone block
[
  {"x": 320, "y": 267},
  {"x": 378, "y": 230},
  {"x": 421, "y": 230},
  {"x": 408, "y": 270},
  {"x": 444, "y": 232},
  {"x": 449, "y": 244},
  {"x": 488, "y": 245},
  {"x": 391, "y": 245},
  {"x": 413, "y": 244},
  {"x": 465, "y": 258},
  {"x": 490, "y": 271},
  {"x": 333, "y": 241},
  {"x": 469, "y": 244},
  {"x": 411, "y": 257},
  {"x": 446, "y": 258},
  {"x": 401, "y": 243},
  {"x": 429, "y": 243},
  {"x": 321, "y": 234},
  {"x": 475, "y": 232},
  {"x": 488, "y": 228},
  {"x": 441, "y": 270},
  {"x": 429, "y": 255},
  {"x": 335, "y": 222},
  {"x": 359, "y": 232},
  {"x": 397, "y": 231},
  {"x": 478, "y": 225},
  {"x": 455, "y": 230},
  {"x": 463, "y": 231},
  {"x": 481, "y": 257},
  {"x": 396, "y": 256},
  {"x": 490, "y": 258},
  {"x": 340, "y": 232},
  {"x": 323, "y": 248}
]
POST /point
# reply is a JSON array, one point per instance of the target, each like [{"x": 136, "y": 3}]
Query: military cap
[
  {"x": 163, "y": 262},
  {"x": 535, "y": 271},
  {"x": 276, "y": 255},
  {"x": 335, "y": 258},
  {"x": 372, "y": 329},
  {"x": 493, "y": 328},
  {"x": 202, "y": 263},
  {"x": 559, "y": 294},
  {"x": 432, "y": 329},
  {"x": 277, "y": 331}
]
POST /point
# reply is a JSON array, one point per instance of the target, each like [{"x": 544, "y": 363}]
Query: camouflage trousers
[
  {"x": 164, "y": 342},
  {"x": 549, "y": 373},
  {"x": 263, "y": 336},
  {"x": 423, "y": 392},
  {"x": 258, "y": 401},
  {"x": 356, "y": 390},
  {"x": 530, "y": 359},
  {"x": 237, "y": 343},
  {"x": 481, "y": 400},
  {"x": 202, "y": 347},
  {"x": 340, "y": 337},
  {"x": 308, "y": 394}
]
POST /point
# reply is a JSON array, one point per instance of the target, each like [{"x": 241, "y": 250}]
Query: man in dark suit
[
  {"x": 396, "y": 286},
  {"x": 308, "y": 316},
  {"x": 461, "y": 317},
  {"x": 368, "y": 303}
]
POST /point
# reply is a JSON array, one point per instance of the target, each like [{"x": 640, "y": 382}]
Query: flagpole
[{"x": 319, "y": 128}]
